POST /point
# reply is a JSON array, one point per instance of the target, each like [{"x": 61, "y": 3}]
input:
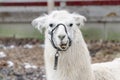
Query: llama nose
[{"x": 61, "y": 37}]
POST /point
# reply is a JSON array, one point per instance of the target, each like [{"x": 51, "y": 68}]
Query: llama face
[
  {"x": 60, "y": 35},
  {"x": 59, "y": 27},
  {"x": 60, "y": 30}
]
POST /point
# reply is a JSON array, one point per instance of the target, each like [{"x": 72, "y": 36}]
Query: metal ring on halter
[{"x": 51, "y": 33}]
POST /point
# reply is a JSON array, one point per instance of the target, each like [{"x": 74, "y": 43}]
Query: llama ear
[
  {"x": 39, "y": 23},
  {"x": 79, "y": 19}
]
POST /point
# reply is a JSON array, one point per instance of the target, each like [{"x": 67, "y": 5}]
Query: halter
[
  {"x": 57, "y": 48},
  {"x": 52, "y": 32}
]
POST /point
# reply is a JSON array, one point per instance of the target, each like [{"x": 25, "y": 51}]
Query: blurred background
[{"x": 22, "y": 46}]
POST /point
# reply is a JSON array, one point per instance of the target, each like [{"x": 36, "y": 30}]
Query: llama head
[{"x": 59, "y": 27}]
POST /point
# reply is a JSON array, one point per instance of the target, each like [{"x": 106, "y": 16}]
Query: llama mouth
[{"x": 63, "y": 46}]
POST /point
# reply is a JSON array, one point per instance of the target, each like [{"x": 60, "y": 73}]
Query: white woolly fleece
[{"x": 75, "y": 63}]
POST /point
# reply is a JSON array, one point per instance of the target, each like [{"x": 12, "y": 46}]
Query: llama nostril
[{"x": 61, "y": 37}]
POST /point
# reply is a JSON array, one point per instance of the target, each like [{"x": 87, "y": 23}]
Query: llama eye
[
  {"x": 78, "y": 24},
  {"x": 51, "y": 25},
  {"x": 70, "y": 24}
]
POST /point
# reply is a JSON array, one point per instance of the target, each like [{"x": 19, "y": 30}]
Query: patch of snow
[
  {"x": 34, "y": 67},
  {"x": 44, "y": 76},
  {"x": 10, "y": 63},
  {"x": 28, "y": 65},
  {"x": 2, "y": 55},
  {"x": 7, "y": 47},
  {"x": 28, "y": 46},
  {"x": 11, "y": 47}
]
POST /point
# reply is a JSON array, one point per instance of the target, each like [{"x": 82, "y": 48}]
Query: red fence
[{"x": 68, "y": 3}]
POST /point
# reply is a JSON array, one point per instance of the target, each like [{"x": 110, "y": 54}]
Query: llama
[{"x": 66, "y": 54}]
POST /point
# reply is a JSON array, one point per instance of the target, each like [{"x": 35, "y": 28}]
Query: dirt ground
[
  {"x": 100, "y": 52},
  {"x": 21, "y": 51}
]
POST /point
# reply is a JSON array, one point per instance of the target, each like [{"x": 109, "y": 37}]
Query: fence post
[{"x": 50, "y": 5}]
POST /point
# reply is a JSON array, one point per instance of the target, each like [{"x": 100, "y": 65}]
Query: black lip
[{"x": 63, "y": 46}]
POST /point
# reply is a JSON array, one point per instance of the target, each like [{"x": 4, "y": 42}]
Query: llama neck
[{"x": 73, "y": 64}]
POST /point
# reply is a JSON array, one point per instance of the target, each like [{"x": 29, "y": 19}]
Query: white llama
[{"x": 66, "y": 54}]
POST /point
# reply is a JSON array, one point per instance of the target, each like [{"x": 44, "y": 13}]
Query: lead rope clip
[{"x": 56, "y": 60}]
